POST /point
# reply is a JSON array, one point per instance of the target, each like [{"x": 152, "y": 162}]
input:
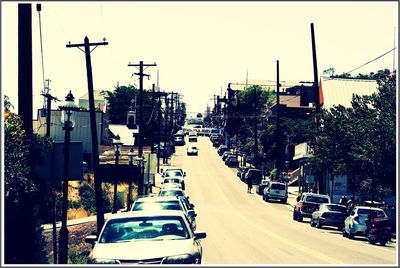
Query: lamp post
[
  {"x": 130, "y": 159},
  {"x": 287, "y": 169},
  {"x": 68, "y": 115},
  {"x": 117, "y": 144}
]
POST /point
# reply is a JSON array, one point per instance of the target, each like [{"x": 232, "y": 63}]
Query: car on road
[
  {"x": 225, "y": 155},
  {"x": 276, "y": 190},
  {"x": 329, "y": 215},
  {"x": 174, "y": 172},
  {"x": 222, "y": 149},
  {"x": 354, "y": 224},
  {"x": 261, "y": 186},
  {"x": 232, "y": 161},
  {"x": 192, "y": 150},
  {"x": 179, "y": 140},
  {"x": 146, "y": 237},
  {"x": 192, "y": 137},
  {"x": 307, "y": 203},
  {"x": 242, "y": 171},
  {"x": 255, "y": 174},
  {"x": 174, "y": 180}
]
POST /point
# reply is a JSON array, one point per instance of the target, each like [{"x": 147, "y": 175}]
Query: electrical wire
[{"x": 372, "y": 60}]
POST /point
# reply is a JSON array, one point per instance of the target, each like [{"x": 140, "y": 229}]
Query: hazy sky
[{"x": 199, "y": 47}]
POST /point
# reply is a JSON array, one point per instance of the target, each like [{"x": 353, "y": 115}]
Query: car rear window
[
  {"x": 276, "y": 186},
  {"x": 336, "y": 208},
  {"x": 317, "y": 199},
  {"x": 171, "y": 193},
  {"x": 365, "y": 211},
  {"x": 165, "y": 205},
  {"x": 173, "y": 173}
]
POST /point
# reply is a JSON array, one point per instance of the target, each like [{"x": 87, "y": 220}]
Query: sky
[{"x": 199, "y": 47}]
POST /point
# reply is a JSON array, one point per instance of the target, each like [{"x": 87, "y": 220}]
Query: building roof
[
  {"x": 267, "y": 84},
  {"x": 125, "y": 134},
  {"x": 96, "y": 94},
  {"x": 337, "y": 91}
]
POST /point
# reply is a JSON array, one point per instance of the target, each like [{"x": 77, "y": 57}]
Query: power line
[{"x": 372, "y": 60}]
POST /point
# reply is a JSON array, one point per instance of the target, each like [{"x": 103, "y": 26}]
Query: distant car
[
  {"x": 174, "y": 172},
  {"x": 243, "y": 172},
  {"x": 232, "y": 161},
  {"x": 307, "y": 203},
  {"x": 171, "y": 192},
  {"x": 179, "y": 140},
  {"x": 192, "y": 150},
  {"x": 354, "y": 224},
  {"x": 260, "y": 187},
  {"x": 174, "y": 180},
  {"x": 222, "y": 149},
  {"x": 146, "y": 237},
  {"x": 330, "y": 215},
  {"x": 255, "y": 174},
  {"x": 276, "y": 190}
]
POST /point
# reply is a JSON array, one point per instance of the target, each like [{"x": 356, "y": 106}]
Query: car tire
[
  {"x": 312, "y": 222},
  {"x": 350, "y": 236},
  {"x": 344, "y": 232},
  {"x": 267, "y": 199}
]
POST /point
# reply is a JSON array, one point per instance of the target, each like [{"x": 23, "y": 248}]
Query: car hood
[{"x": 140, "y": 250}]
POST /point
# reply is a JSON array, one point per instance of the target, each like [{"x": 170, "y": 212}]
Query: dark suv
[{"x": 307, "y": 203}]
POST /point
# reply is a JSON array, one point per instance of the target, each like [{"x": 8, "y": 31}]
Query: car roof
[
  {"x": 155, "y": 198},
  {"x": 314, "y": 194},
  {"x": 173, "y": 168},
  {"x": 146, "y": 213},
  {"x": 366, "y": 207}
]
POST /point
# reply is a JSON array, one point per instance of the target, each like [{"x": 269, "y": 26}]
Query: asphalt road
[{"x": 243, "y": 229}]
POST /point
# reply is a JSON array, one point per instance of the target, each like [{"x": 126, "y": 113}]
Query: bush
[{"x": 76, "y": 256}]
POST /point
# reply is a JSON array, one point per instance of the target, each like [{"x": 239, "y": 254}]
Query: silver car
[
  {"x": 355, "y": 222},
  {"x": 146, "y": 237},
  {"x": 276, "y": 190}
]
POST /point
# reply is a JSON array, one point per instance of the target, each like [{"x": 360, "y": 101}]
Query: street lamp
[
  {"x": 287, "y": 169},
  {"x": 117, "y": 144},
  {"x": 130, "y": 159},
  {"x": 68, "y": 116}
]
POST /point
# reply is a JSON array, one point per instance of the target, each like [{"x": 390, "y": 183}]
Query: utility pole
[
  {"x": 278, "y": 128},
  {"x": 172, "y": 112},
  {"x": 165, "y": 159},
  {"x": 159, "y": 131},
  {"x": 95, "y": 148},
  {"x": 141, "y": 66}
]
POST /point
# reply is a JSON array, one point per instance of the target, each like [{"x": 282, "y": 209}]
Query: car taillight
[{"x": 356, "y": 219}]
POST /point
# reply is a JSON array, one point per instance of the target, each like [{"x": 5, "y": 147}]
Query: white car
[
  {"x": 192, "y": 150},
  {"x": 146, "y": 237},
  {"x": 354, "y": 224},
  {"x": 276, "y": 190},
  {"x": 174, "y": 180}
]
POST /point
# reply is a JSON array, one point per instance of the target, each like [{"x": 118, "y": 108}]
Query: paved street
[{"x": 243, "y": 229}]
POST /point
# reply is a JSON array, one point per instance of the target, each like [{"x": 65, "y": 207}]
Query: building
[{"x": 100, "y": 102}]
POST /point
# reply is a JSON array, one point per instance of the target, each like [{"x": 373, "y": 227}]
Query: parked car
[
  {"x": 354, "y": 224},
  {"x": 255, "y": 174},
  {"x": 225, "y": 155},
  {"x": 222, "y": 149},
  {"x": 179, "y": 140},
  {"x": 217, "y": 142},
  {"x": 243, "y": 172},
  {"x": 307, "y": 203},
  {"x": 232, "y": 161},
  {"x": 192, "y": 137},
  {"x": 160, "y": 237},
  {"x": 261, "y": 186},
  {"x": 174, "y": 180},
  {"x": 330, "y": 215},
  {"x": 276, "y": 190},
  {"x": 192, "y": 150},
  {"x": 174, "y": 172}
]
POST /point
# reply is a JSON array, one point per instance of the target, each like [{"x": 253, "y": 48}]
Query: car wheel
[
  {"x": 350, "y": 236},
  {"x": 284, "y": 201},
  {"x": 312, "y": 222},
  {"x": 299, "y": 217},
  {"x": 266, "y": 198},
  {"x": 294, "y": 215}
]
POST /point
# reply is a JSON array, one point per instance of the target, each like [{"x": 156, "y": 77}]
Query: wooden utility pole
[
  {"x": 95, "y": 148},
  {"x": 141, "y": 66},
  {"x": 278, "y": 128},
  {"x": 255, "y": 129}
]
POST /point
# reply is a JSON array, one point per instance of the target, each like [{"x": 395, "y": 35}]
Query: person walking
[
  {"x": 343, "y": 200},
  {"x": 249, "y": 183}
]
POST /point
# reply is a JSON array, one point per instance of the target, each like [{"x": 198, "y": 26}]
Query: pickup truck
[{"x": 307, "y": 203}]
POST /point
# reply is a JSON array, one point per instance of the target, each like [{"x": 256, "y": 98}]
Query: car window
[
  {"x": 317, "y": 199},
  {"x": 276, "y": 186},
  {"x": 365, "y": 211},
  {"x": 336, "y": 208},
  {"x": 159, "y": 205},
  {"x": 150, "y": 228},
  {"x": 173, "y": 173},
  {"x": 171, "y": 181}
]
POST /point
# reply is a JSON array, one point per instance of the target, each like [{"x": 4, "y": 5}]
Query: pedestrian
[
  {"x": 343, "y": 200},
  {"x": 351, "y": 204},
  {"x": 249, "y": 183}
]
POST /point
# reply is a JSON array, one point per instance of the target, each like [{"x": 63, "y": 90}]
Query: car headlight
[
  {"x": 104, "y": 261},
  {"x": 180, "y": 259}
]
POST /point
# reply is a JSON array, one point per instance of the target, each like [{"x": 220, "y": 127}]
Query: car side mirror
[
  {"x": 91, "y": 239},
  {"x": 191, "y": 213},
  {"x": 184, "y": 174},
  {"x": 191, "y": 206},
  {"x": 298, "y": 199},
  {"x": 200, "y": 235}
]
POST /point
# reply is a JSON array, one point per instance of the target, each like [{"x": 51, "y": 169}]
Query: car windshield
[
  {"x": 317, "y": 199},
  {"x": 365, "y": 211},
  {"x": 277, "y": 186},
  {"x": 157, "y": 205},
  {"x": 171, "y": 193},
  {"x": 336, "y": 208},
  {"x": 172, "y": 180},
  {"x": 173, "y": 173},
  {"x": 149, "y": 228}
]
